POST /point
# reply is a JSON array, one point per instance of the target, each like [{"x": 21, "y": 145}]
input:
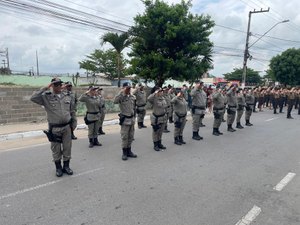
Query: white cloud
[{"x": 60, "y": 47}]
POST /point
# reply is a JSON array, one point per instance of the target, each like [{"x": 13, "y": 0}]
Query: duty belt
[
  {"x": 51, "y": 125},
  {"x": 214, "y": 108},
  {"x": 141, "y": 105},
  {"x": 180, "y": 116},
  {"x": 198, "y": 107},
  {"x": 127, "y": 116},
  {"x": 92, "y": 112},
  {"x": 231, "y": 106}
]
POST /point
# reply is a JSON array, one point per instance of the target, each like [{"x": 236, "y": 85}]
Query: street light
[{"x": 246, "y": 53}]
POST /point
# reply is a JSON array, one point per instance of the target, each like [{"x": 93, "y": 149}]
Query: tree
[
  {"x": 103, "y": 62},
  {"x": 170, "y": 43},
  {"x": 286, "y": 67},
  {"x": 119, "y": 42},
  {"x": 237, "y": 74}
]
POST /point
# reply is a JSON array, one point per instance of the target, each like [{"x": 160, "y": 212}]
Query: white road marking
[
  {"x": 284, "y": 181},
  {"x": 250, "y": 217},
  {"x": 273, "y": 118},
  {"x": 46, "y": 184}
]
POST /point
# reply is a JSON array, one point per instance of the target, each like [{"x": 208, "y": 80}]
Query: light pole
[{"x": 246, "y": 53}]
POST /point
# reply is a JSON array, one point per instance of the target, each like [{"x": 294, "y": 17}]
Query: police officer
[
  {"x": 68, "y": 89},
  {"x": 249, "y": 100},
  {"x": 218, "y": 101},
  {"x": 180, "y": 111},
  {"x": 172, "y": 95},
  {"x": 126, "y": 103},
  {"x": 198, "y": 108},
  {"x": 140, "y": 96},
  {"x": 103, "y": 111},
  {"x": 231, "y": 108},
  {"x": 291, "y": 96},
  {"x": 93, "y": 114},
  {"x": 158, "y": 117},
  {"x": 240, "y": 108},
  {"x": 168, "y": 99},
  {"x": 60, "y": 115}
]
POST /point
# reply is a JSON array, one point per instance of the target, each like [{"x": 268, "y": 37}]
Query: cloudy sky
[{"x": 61, "y": 45}]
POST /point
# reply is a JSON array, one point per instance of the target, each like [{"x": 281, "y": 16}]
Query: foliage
[
  {"x": 119, "y": 42},
  {"x": 170, "y": 43},
  {"x": 286, "y": 67},
  {"x": 252, "y": 76},
  {"x": 103, "y": 62}
]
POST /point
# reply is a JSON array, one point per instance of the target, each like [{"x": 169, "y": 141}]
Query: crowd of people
[{"x": 168, "y": 104}]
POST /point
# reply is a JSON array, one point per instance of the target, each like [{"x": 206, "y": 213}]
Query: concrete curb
[{"x": 39, "y": 133}]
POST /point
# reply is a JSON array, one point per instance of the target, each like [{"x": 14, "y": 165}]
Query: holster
[
  {"x": 229, "y": 111},
  {"x": 156, "y": 127},
  {"x": 121, "y": 119},
  {"x": 240, "y": 107},
  {"x": 178, "y": 124},
  {"x": 52, "y": 137},
  {"x": 217, "y": 115}
]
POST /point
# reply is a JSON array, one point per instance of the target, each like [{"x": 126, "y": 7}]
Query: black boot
[
  {"x": 215, "y": 132},
  {"x": 91, "y": 140},
  {"x": 202, "y": 125},
  {"x": 96, "y": 142},
  {"x": 248, "y": 123},
  {"x": 156, "y": 148},
  {"x": 66, "y": 169},
  {"x": 130, "y": 153},
  {"x": 140, "y": 125},
  {"x": 100, "y": 131},
  {"x": 181, "y": 140},
  {"x": 59, "y": 171},
  {"x": 176, "y": 141},
  {"x": 166, "y": 129},
  {"x": 160, "y": 145},
  {"x": 124, "y": 156},
  {"x": 143, "y": 125},
  {"x": 72, "y": 135},
  {"x": 196, "y": 136},
  {"x": 220, "y": 133},
  {"x": 171, "y": 119},
  {"x": 230, "y": 129},
  {"x": 239, "y": 126}
]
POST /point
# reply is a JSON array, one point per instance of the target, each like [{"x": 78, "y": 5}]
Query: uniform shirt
[
  {"x": 249, "y": 99},
  {"x": 126, "y": 103},
  {"x": 218, "y": 100},
  {"x": 199, "y": 97},
  {"x": 179, "y": 105},
  {"x": 159, "y": 104},
  {"x": 140, "y": 97},
  {"x": 59, "y": 108},
  {"x": 231, "y": 97},
  {"x": 241, "y": 99}
]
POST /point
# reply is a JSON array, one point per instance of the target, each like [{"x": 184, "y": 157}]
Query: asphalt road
[{"x": 224, "y": 180}]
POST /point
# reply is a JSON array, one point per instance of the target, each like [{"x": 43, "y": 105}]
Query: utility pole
[
  {"x": 7, "y": 59},
  {"x": 246, "y": 53},
  {"x": 37, "y": 63}
]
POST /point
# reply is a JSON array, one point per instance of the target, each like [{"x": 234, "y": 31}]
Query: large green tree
[
  {"x": 170, "y": 42},
  {"x": 103, "y": 62},
  {"x": 285, "y": 67},
  {"x": 251, "y": 78},
  {"x": 119, "y": 42}
]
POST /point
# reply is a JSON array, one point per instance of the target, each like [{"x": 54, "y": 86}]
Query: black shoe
[
  {"x": 124, "y": 156},
  {"x": 91, "y": 141},
  {"x": 230, "y": 129},
  {"x": 73, "y": 137},
  {"x": 220, "y": 133},
  {"x": 156, "y": 148},
  {"x": 66, "y": 168},
  {"x": 181, "y": 140},
  {"x": 100, "y": 131},
  {"x": 143, "y": 126},
  {"x": 96, "y": 142},
  {"x": 176, "y": 141},
  {"x": 140, "y": 125},
  {"x": 59, "y": 171},
  {"x": 202, "y": 125},
  {"x": 239, "y": 126},
  {"x": 161, "y": 146},
  {"x": 166, "y": 131},
  {"x": 130, "y": 153},
  {"x": 171, "y": 120},
  {"x": 215, "y": 132},
  {"x": 196, "y": 136},
  {"x": 289, "y": 117},
  {"x": 223, "y": 120}
]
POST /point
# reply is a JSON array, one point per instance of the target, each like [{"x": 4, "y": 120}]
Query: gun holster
[
  {"x": 178, "y": 124},
  {"x": 52, "y": 137},
  {"x": 121, "y": 119}
]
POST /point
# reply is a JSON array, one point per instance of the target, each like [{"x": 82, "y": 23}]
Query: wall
[{"x": 16, "y": 107}]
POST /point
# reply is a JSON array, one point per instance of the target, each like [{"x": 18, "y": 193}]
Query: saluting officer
[
  {"x": 68, "y": 88},
  {"x": 240, "y": 108},
  {"x": 126, "y": 103},
  {"x": 218, "y": 100},
  {"x": 93, "y": 114},
  {"x": 168, "y": 99},
  {"x": 180, "y": 111},
  {"x": 249, "y": 100},
  {"x": 140, "y": 96},
  {"x": 103, "y": 111},
  {"x": 291, "y": 96},
  {"x": 60, "y": 115},
  {"x": 158, "y": 117},
  {"x": 198, "y": 108},
  {"x": 232, "y": 105}
]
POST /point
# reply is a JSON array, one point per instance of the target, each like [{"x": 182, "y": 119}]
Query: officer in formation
[
  {"x": 231, "y": 108},
  {"x": 61, "y": 120},
  {"x": 172, "y": 95},
  {"x": 291, "y": 98},
  {"x": 240, "y": 108},
  {"x": 168, "y": 99},
  {"x": 218, "y": 100},
  {"x": 140, "y": 96},
  {"x": 180, "y": 111},
  {"x": 94, "y": 110},
  {"x": 127, "y": 106},
  {"x": 198, "y": 108},
  {"x": 103, "y": 111},
  {"x": 68, "y": 89},
  {"x": 249, "y": 100},
  {"x": 158, "y": 117}
]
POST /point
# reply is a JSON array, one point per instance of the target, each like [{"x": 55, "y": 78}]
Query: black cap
[
  {"x": 126, "y": 84},
  {"x": 93, "y": 88},
  {"x": 68, "y": 83},
  {"x": 56, "y": 81}
]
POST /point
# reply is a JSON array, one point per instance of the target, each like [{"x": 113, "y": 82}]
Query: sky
[{"x": 60, "y": 45}]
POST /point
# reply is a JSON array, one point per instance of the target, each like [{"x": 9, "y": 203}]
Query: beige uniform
[
  {"x": 199, "y": 99},
  {"x": 218, "y": 108},
  {"x": 249, "y": 100},
  {"x": 140, "y": 105},
  {"x": 180, "y": 111},
  {"x": 240, "y": 107},
  {"x": 60, "y": 115},
  {"x": 127, "y": 117},
  {"x": 232, "y": 106}
]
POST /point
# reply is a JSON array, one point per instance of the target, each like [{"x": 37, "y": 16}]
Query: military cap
[
  {"x": 56, "y": 81},
  {"x": 93, "y": 87},
  {"x": 68, "y": 83},
  {"x": 126, "y": 84}
]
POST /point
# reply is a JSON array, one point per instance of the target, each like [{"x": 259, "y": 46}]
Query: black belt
[
  {"x": 232, "y": 106},
  {"x": 92, "y": 112},
  {"x": 141, "y": 105},
  {"x": 250, "y": 104},
  {"x": 218, "y": 108},
  {"x": 60, "y": 125},
  {"x": 199, "y": 107},
  {"x": 180, "y": 116},
  {"x": 127, "y": 116},
  {"x": 158, "y": 115}
]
